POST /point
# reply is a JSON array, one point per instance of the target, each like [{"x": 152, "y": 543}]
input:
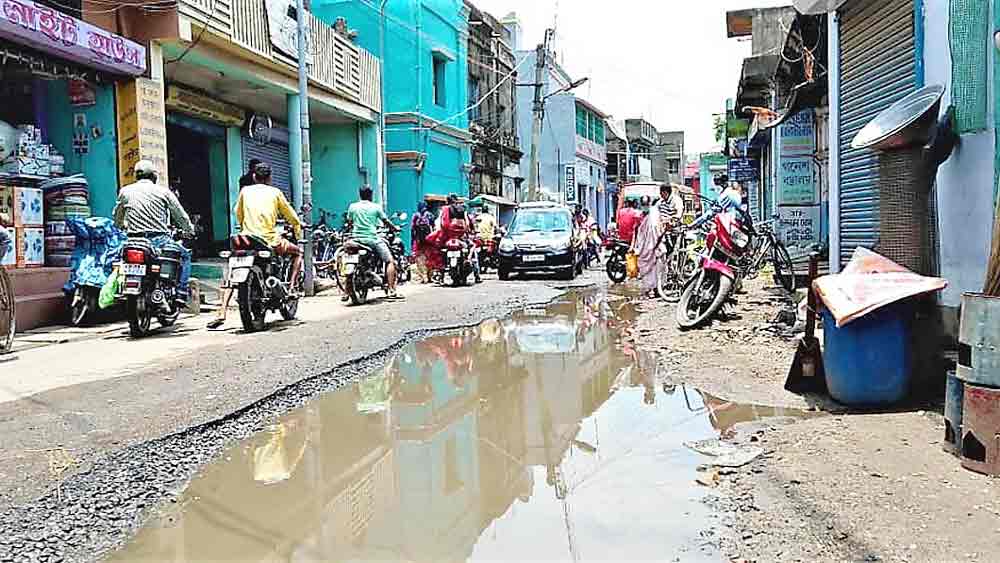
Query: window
[
  {"x": 581, "y": 121},
  {"x": 474, "y": 113},
  {"x": 440, "y": 65},
  {"x": 599, "y": 132},
  {"x": 673, "y": 166}
]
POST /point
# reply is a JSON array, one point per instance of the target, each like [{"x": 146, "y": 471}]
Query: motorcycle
[
  {"x": 262, "y": 281},
  {"x": 398, "y": 249},
  {"x": 458, "y": 261},
  {"x": 617, "y": 250},
  {"x": 98, "y": 248},
  {"x": 488, "y": 256},
  {"x": 728, "y": 240},
  {"x": 149, "y": 286},
  {"x": 361, "y": 268}
]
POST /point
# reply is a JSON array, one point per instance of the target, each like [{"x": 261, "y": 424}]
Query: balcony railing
[{"x": 337, "y": 65}]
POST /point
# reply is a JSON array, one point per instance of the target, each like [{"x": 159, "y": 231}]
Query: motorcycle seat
[
  {"x": 352, "y": 245},
  {"x": 248, "y": 242}
]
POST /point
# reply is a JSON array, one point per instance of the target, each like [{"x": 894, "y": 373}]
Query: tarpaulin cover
[
  {"x": 98, "y": 248},
  {"x": 868, "y": 282}
]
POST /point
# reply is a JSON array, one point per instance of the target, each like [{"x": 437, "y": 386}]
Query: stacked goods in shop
[
  {"x": 27, "y": 157},
  {"x": 21, "y": 213},
  {"x": 65, "y": 198}
]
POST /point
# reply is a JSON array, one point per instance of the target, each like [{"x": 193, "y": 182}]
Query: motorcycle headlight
[{"x": 507, "y": 245}]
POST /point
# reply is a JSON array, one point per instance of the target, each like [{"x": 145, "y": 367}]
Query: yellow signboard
[
  {"x": 201, "y": 106},
  {"x": 142, "y": 128}
]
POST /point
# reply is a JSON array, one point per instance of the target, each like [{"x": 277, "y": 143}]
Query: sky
[{"x": 667, "y": 61}]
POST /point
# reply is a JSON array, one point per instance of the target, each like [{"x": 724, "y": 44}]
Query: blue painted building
[
  {"x": 572, "y": 152},
  {"x": 423, "y": 45}
]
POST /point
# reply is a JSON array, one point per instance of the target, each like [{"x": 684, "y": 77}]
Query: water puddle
[{"x": 539, "y": 437}]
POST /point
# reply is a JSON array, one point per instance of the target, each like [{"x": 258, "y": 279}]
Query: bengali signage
[
  {"x": 142, "y": 129},
  {"x": 196, "y": 104},
  {"x": 797, "y": 181},
  {"x": 799, "y": 228},
  {"x": 798, "y": 134},
  {"x": 570, "y": 185},
  {"x": 53, "y": 32},
  {"x": 589, "y": 149},
  {"x": 742, "y": 169}
]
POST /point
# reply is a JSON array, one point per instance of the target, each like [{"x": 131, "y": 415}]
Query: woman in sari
[{"x": 645, "y": 245}]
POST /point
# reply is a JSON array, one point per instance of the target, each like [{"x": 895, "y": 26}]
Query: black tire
[
  {"x": 139, "y": 317},
  {"x": 616, "y": 269},
  {"x": 8, "y": 319},
  {"x": 252, "y": 311},
  {"x": 503, "y": 274},
  {"x": 669, "y": 283},
  {"x": 359, "y": 296},
  {"x": 82, "y": 305},
  {"x": 290, "y": 307},
  {"x": 704, "y": 305},
  {"x": 784, "y": 270},
  {"x": 459, "y": 279},
  {"x": 569, "y": 274}
]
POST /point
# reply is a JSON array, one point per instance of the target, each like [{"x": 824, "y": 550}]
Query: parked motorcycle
[
  {"x": 615, "y": 267},
  {"x": 458, "y": 261},
  {"x": 398, "y": 249},
  {"x": 98, "y": 249},
  {"x": 729, "y": 238},
  {"x": 149, "y": 288},
  {"x": 262, "y": 280},
  {"x": 363, "y": 271}
]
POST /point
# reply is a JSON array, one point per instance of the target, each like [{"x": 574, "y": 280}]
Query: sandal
[{"x": 215, "y": 324}]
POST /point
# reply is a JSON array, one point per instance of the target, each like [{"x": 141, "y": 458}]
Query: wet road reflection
[{"x": 538, "y": 437}]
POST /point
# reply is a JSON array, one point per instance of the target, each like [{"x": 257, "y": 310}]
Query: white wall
[{"x": 965, "y": 181}]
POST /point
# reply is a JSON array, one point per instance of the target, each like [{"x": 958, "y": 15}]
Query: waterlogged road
[{"x": 540, "y": 437}]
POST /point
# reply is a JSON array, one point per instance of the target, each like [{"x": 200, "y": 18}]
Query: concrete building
[
  {"x": 427, "y": 139},
  {"x": 644, "y": 141},
  {"x": 496, "y": 153},
  {"x": 668, "y": 158},
  {"x": 572, "y": 150}
]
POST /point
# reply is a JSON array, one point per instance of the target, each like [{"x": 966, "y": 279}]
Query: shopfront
[{"x": 57, "y": 119}]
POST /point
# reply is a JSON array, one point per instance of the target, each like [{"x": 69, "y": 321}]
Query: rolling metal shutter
[
  {"x": 276, "y": 154},
  {"x": 878, "y": 68}
]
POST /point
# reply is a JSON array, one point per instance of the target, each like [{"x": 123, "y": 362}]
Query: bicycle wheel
[
  {"x": 784, "y": 271},
  {"x": 7, "y": 317}
]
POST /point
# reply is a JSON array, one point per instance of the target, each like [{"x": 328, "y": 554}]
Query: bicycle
[
  {"x": 676, "y": 263},
  {"x": 768, "y": 247}
]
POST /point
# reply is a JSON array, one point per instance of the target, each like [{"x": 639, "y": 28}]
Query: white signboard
[
  {"x": 283, "y": 28},
  {"x": 799, "y": 228}
]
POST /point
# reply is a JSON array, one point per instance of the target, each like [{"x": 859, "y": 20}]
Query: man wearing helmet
[
  {"x": 148, "y": 210},
  {"x": 258, "y": 209}
]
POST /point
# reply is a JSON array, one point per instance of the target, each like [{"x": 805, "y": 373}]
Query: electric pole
[
  {"x": 541, "y": 61},
  {"x": 306, "y": 211}
]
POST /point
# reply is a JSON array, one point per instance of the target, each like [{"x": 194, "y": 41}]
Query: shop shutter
[
  {"x": 878, "y": 67},
  {"x": 276, "y": 154}
]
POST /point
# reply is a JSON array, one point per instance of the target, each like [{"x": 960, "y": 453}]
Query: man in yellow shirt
[
  {"x": 486, "y": 225},
  {"x": 257, "y": 211}
]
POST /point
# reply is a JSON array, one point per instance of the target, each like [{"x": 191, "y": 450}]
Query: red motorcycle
[{"x": 718, "y": 270}]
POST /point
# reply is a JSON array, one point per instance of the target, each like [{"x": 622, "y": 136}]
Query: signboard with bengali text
[
  {"x": 799, "y": 228},
  {"x": 51, "y": 31},
  {"x": 798, "y": 134},
  {"x": 142, "y": 129},
  {"x": 797, "y": 181}
]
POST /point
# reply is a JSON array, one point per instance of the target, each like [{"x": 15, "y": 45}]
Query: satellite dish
[{"x": 906, "y": 123}]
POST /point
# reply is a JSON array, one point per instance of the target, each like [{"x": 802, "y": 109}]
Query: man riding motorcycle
[
  {"x": 453, "y": 223},
  {"x": 148, "y": 210},
  {"x": 257, "y": 211},
  {"x": 365, "y": 217}
]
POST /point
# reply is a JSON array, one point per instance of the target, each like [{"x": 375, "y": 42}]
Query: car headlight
[{"x": 507, "y": 245}]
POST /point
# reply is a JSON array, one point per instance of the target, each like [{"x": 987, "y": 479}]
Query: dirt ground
[{"x": 840, "y": 487}]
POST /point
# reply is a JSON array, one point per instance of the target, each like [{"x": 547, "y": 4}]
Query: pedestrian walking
[
  {"x": 645, "y": 246},
  {"x": 423, "y": 224}
]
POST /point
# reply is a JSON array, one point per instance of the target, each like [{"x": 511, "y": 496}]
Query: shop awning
[
  {"x": 812, "y": 7},
  {"x": 493, "y": 199}
]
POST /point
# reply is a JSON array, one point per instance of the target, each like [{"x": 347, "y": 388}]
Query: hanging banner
[
  {"x": 40, "y": 27},
  {"x": 142, "y": 128},
  {"x": 283, "y": 29},
  {"x": 797, "y": 181}
]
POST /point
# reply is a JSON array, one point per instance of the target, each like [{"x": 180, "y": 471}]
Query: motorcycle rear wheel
[
  {"x": 358, "y": 295},
  {"x": 702, "y": 300},
  {"x": 252, "y": 311},
  {"x": 139, "y": 317},
  {"x": 616, "y": 269}
]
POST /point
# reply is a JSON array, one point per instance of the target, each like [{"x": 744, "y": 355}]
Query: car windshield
[{"x": 544, "y": 221}]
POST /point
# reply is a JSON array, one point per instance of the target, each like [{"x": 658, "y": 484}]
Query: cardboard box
[
  {"x": 10, "y": 256},
  {"x": 21, "y": 207},
  {"x": 26, "y": 166},
  {"x": 30, "y": 247}
]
